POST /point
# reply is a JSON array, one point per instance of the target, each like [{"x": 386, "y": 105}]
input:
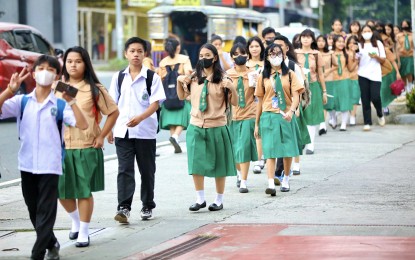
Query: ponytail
[{"x": 170, "y": 46}]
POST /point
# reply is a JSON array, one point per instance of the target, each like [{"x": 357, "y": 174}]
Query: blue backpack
[{"x": 59, "y": 118}]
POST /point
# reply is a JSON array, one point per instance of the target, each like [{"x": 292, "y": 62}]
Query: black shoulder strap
[
  {"x": 291, "y": 65},
  {"x": 121, "y": 76},
  {"x": 149, "y": 80},
  {"x": 176, "y": 67}
]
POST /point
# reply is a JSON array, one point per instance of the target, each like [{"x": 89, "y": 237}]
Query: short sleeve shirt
[{"x": 249, "y": 111}]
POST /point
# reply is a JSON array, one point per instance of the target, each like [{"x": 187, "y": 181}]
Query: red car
[{"x": 20, "y": 46}]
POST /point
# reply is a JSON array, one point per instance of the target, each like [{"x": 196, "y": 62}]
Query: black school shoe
[
  {"x": 322, "y": 131},
  {"x": 177, "y": 148},
  {"x": 53, "y": 253},
  {"x": 214, "y": 207},
  {"x": 197, "y": 206},
  {"x": 73, "y": 235},
  {"x": 271, "y": 192},
  {"x": 82, "y": 244}
]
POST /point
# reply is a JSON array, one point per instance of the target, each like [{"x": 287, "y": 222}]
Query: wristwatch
[{"x": 73, "y": 101}]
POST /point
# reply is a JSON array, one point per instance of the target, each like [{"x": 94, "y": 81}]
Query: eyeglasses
[{"x": 273, "y": 54}]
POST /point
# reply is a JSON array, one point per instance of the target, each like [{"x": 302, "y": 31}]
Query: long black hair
[
  {"x": 266, "y": 73},
  {"x": 335, "y": 39},
  {"x": 355, "y": 22},
  {"x": 217, "y": 69},
  {"x": 409, "y": 28},
  {"x": 290, "y": 53},
  {"x": 326, "y": 45},
  {"x": 373, "y": 40},
  {"x": 309, "y": 33},
  {"x": 261, "y": 45},
  {"x": 170, "y": 46},
  {"x": 238, "y": 46},
  {"x": 351, "y": 37},
  {"x": 89, "y": 74},
  {"x": 392, "y": 35}
]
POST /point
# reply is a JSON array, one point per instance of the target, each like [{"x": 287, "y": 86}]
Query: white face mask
[
  {"x": 367, "y": 35},
  {"x": 275, "y": 61},
  {"x": 44, "y": 78}
]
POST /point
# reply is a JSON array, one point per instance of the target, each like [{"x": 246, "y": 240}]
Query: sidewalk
[{"x": 356, "y": 194}]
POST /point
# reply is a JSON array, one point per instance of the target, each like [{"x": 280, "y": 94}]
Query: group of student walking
[{"x": 263, "y": 102}]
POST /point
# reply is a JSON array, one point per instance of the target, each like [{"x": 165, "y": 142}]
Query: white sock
[
  {"x": 312, "y": 132},
  {"x": 352, "y": 120},
  {"x": 271, "y": 184},
  {"x": 83, "y": 232},
  {"x": 345, "y": 117},
  {"x": 200, "y": 196},
  {"x": 296, "y": 166},
  {"x": 75, "y": 220},
  {"x": 333, "y": 117},
  {"x": 238, "y": 174},
  {"x": 243, "y": 184},
  {"x": 175, "y": 137},
  {"x": 323, "y": 125},
  {"x": 285, "y": 182},
  {"x": 219, "y": 199},
  {"x": 286, "y": 178}
]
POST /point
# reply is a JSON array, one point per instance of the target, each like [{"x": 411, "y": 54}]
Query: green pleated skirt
[
  {"x": 330, "y": 88},
  {"x": 279, "y": 138},
  {"x": 243, "y": 140},
  {"x": 301, "y": 131},
  {"x": 83, "y": 173},
  {"x": 355, "y": 97},
  {"x": 343, "y": 95},
  {"x": 385, "y": 91},
  {"x": 407, "y": 66},
  {"x": 210, "y": 152},
  {"x": 314, "y": 113},
  {"x": 179, "y": 117}
]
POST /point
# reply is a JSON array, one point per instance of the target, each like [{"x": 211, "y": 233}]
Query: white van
[{"x": 295, "y": 28}]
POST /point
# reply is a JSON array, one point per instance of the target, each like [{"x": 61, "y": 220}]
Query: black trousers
[
  {"x": 370, "y": 92},
  {"x": 279, "y": 167},
  {"x": 144, "y": 151},
  {"x": 40, "y": 192}
]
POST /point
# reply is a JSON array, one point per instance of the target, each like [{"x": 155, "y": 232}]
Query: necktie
[
  {"x": 241, "y": 92},
  {"x": 307, "y": 65},
  {"x": 339, "y": 63},
  {"x": 203, "y": 100},
  {"x": 407, "y": 45},
  {"x": 279, "y": 91},
  {"x": 256, "y": 67}
]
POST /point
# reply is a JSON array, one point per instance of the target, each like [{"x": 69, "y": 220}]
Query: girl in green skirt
[
  {"x": 312, "y": 61},
  {"x": 406, "y": 50},
  {"x": 278, "y": 93},
  {"x": 174, "y": 120},
  {"x": 83, "y": 169},
  {"x": 352, "y": 45},
  {"x": 342, "y": 84},
  {"x": 386, "y": 94},
  {"x": 208, "y": 139},
  {"x": 243, "y": 115}
]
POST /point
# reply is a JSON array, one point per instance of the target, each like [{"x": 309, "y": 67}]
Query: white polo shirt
[
  {"x": 370, "y": 68},
  {"x": 133, "y": 101},
  {"x": 40, "y": 141}
]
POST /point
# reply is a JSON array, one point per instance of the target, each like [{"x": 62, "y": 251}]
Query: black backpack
[
  {"x": 149, "y": 82},
  {"x": 172, "y": 101}
]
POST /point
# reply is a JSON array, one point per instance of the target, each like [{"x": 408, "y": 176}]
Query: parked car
[{"x": 20, "y": 46}]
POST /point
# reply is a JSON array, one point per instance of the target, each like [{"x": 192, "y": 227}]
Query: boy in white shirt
[{"x": 40, "y": 154}]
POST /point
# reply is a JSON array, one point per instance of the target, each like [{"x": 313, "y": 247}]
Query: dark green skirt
[
  {"x": 179, "y": 117},
  {"x": 243, "y": 140},
  {"x": 355, "y": 99},
  {"x": 385, "y": 91},
  {"x": 407, "y": 66},
  {"x": 314, "y": 113},
  {"x": 279, "y": 138},
  {"x": 83, "y": 173},
  {"x": 330, "y": 95},
  {"x": 209, "y": 151},
  {"x": 343, "y": 95}
]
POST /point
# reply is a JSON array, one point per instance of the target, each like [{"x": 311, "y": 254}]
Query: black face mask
[
  {"x": 379, "y": 30},
  {"x": 240, "y": 60},
  {"x": 269, "y": 42},
  {"x": 406, "y": 28},
  {"x": 206, "y": 63}
]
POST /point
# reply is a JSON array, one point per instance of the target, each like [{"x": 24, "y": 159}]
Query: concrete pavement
[{"x": 356, "y": 184}]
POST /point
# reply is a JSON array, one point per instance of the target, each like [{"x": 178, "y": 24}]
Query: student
[
  {"x": 239, "y": 39},
  {"x": 243, "y": 115},
  {"x": 136, "y": 129},
  {"x": 396, "y": 30},
  {"x": 174, "y": 115},
  {"x": 292, "y": 63},
  {"x": 224, "y": 57},
  {"x": 337, "y": 28},
  {"x": 372, "y": 54},
  {"x": 351, "y": 48},
  {"x": 354, "y": 29},
  {"x": 406, "y": 50},
  {"x": 328, "y": 67},
  {"x": 40, "y": 154},
  {"x": 79, "y": 180},
  {"x": 329, "y": 38},
  {"x": 148, "y": 61},
  {"x": 341, "y": 78},
  {"x": 208, "y": 139},
  {"x": 371, "y": 23},
  {"x": 268, "y": 35},
  {"x": 278, "y": 93},
  {"x": 309, "y": 57},
  {"x": 256, "y": 61}
]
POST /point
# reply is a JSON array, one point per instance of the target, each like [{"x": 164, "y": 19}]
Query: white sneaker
[
  {"x": 352, "y": 120},
  {"x": 257, "y": 169},
  {"x": 343, "y": 127},
  {"x": 381, "y": 121},
  {"x": 366, "y": 128}
]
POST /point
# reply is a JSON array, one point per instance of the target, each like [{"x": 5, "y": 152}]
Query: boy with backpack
[
  {"x": 40, "y": 116},
  {"x": 138, "y": 94}
]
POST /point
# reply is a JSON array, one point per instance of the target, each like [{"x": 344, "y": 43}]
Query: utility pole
[
  {"x": 282, "y": 10},
  {"x": 119, "y": 29},
  {"x": 395, "y": 11},
  {"x": 320, "y": 15}
]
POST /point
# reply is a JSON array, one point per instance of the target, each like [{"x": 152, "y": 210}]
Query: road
[{"x": 9, "y": 142}]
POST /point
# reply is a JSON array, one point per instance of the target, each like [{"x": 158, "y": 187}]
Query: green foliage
[
  {"x": 113, "y": 65},
  {"x": 410, "y": 101}
]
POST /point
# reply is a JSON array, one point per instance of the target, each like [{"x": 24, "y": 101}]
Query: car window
[
  {"x": 42, "y": 45},
  {"x": 8, "y": 37},
  {"x": 24, "y": 40}
]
